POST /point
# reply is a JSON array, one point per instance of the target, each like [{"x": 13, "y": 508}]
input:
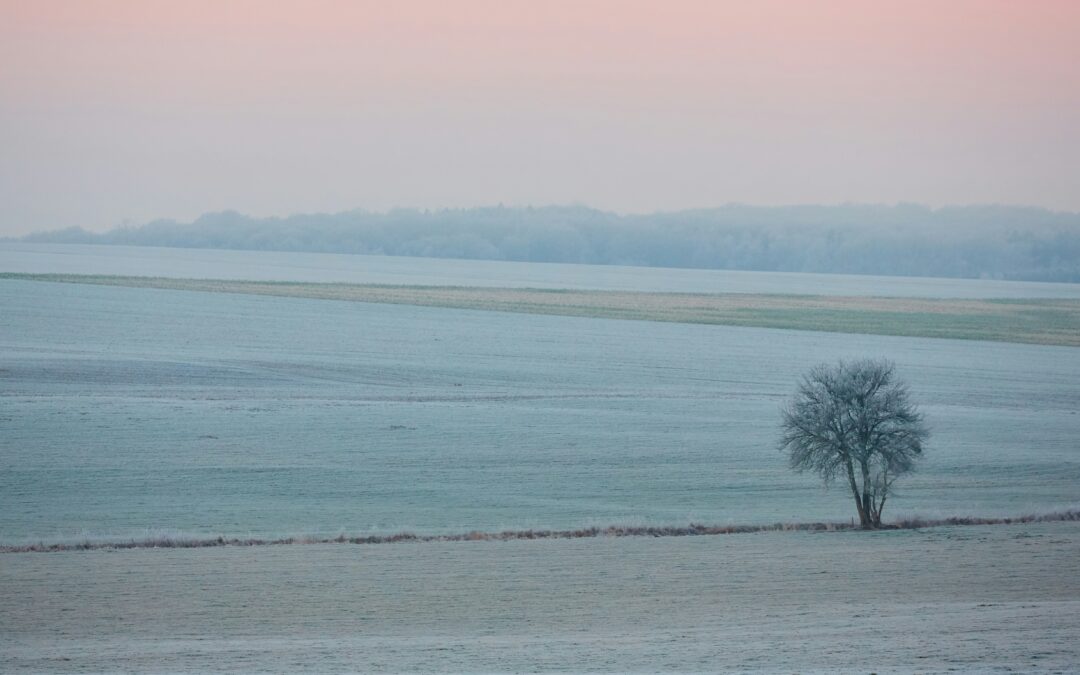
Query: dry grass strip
[
  {"x": 1034, "y": 321},
  {"x": 693, "y": 529}
]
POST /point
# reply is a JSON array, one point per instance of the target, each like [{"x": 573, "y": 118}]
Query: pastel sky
[{"x": 114, "y": 111}]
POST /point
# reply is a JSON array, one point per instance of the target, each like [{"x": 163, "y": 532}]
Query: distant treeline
[{"x": 973, "y": 241}]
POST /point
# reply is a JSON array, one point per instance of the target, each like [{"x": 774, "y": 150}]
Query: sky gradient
[{"x": 114, "y": 111}]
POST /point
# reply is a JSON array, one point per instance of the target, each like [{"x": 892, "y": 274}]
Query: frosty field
[
  {"x": 991, "y": 599},
  {"x": 1028, "y": 320},
  {"x": 138, "y": 413},
  {"x": 189, "y": 263},
  {"x": 131, "y": 412}
]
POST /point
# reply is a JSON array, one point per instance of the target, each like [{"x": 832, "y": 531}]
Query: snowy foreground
[{"x": 1002, "y": 597}]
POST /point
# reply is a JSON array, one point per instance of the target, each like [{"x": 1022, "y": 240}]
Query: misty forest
[{"x": 996, "y": 242}]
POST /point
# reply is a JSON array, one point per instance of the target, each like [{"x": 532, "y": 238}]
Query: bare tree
[{"x": 854, "y": 420}]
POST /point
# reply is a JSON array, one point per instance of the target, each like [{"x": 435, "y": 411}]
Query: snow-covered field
[
  {"x": 142, "y": 414},
  {"x": 989, "y": 598},
  {"x": 132, "y": 413}
]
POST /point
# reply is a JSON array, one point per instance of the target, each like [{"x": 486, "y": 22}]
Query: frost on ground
[
  {"x": 1033, "y": 320},
  {"x": 972, "y": 599}
]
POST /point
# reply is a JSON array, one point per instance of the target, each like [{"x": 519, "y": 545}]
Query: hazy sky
[{"x": 136, "y": 110}]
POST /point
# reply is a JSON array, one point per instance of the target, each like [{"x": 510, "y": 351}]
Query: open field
[
  {"x": 340, "y": 268},
  {"x": 988, "y": 598},
  {"x": 208, "y": 421},
  {"x": 1032, "y": 320},
  {"x": 132, "y": 413}
]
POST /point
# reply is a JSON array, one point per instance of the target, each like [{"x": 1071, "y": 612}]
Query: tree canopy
[{"x": 854, "y": 421}]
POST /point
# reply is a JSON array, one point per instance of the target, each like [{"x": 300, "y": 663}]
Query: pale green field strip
[{"x": 1033, "y": 321}]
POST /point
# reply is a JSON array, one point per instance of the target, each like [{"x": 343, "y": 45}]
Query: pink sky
[{"x": 137, "y": 110}]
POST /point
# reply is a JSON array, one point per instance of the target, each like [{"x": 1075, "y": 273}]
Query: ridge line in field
[
  {"x": 694, "y": 529},
  {"x": 1031, "y": 320}
]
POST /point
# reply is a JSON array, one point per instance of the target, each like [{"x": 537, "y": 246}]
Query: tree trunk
[
  {"x": 878, "y": 509},
  {"x": 869, "y": 522},
  {"x": 860, "y": 501}
]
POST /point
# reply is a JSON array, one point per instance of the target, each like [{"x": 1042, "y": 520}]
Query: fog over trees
[{"x": 911, "y": 240}]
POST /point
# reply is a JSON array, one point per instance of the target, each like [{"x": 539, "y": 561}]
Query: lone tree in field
[{"x": 854, "y": 420}]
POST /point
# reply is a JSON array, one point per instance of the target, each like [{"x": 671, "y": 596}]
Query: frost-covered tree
[{"x": 854, "y": 421}]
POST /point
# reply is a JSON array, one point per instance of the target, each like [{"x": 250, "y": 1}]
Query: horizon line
[{"x": 129, "y": 224}]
